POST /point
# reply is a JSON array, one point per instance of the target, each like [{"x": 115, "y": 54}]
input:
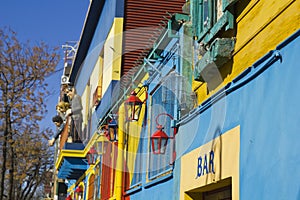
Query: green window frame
[
  {"x": 209, "y": 17},
  {"x": 205, "y": 15}
]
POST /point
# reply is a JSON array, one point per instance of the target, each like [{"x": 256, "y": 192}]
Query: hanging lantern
[
  {"x": 113, "y": 130},
  {"x": 79, "y": 192},
  {"x": 159, "y": 141},
  {"x": 102, "y": 142},
  {"x": 133, "y": 106},
  {"x": 92, "y": 156},
  {"x": 69, "y": 197}
]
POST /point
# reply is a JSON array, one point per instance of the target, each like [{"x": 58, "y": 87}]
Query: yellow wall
[
  {"x": 131, "y": 132},
  {"x": 113, "y": 54},
  {"x": 85, "y": 104},
  {"x": 134, "y": 138},
  {"x": 261, "y": 26},
  {"x": 88, "y": 182},
  {"x": 225, "y": 164}
]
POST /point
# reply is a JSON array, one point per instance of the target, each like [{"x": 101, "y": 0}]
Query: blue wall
[
  {"x": 269, "y": 115},
  {"x": 111, "y": 10},
  {"x": 264, "y": 101}
]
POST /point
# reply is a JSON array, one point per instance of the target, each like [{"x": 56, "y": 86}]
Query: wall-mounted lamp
[
  {"x": 92, "y": 156},
  {"x": 102, "y": 141},
  {"x": 133, "y": 106},
  {"x": 159, "y": 139},
  {"x": 113, "y": 130}
]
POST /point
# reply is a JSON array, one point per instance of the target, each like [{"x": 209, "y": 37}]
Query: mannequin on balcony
[
  {"x": 59, "y": 120},
  {"x": 74, "y": 113},
  {"x": 59, "y": 123},
  {"x": 62, "y": 108}
]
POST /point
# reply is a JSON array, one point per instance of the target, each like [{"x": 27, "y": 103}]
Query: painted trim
[
  {"x": 135, "y": 188},
  {"x": 159, "y": 180},
  {"x": 71, "y": 189},
  {"x": 288, "y": 40},
  {"x": 92, "y": 172},
  {"x": 68, "y": 153},
  {"x": 162, "y": 174},
  {"x": 246, "y": 11}
]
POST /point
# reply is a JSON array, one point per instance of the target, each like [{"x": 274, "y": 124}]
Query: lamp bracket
[{"x": 166, "y": 114}]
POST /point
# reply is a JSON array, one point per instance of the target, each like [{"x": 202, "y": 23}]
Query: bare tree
[{"x": 23, "y": 70}]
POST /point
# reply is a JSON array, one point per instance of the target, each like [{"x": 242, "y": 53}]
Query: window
[
  {"x": 209, "y": 13},
  {"x": 214, "y": 29},
  {"x": 205, "y": 15},
  {"x": 209, "y": 17},
  {"x": 163, "y": 100}
]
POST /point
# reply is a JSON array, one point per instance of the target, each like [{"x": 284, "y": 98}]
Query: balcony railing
[{"x": 69, "y": 138}]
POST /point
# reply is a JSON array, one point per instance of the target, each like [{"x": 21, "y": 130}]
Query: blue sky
[{"x": 53, "y": 21}]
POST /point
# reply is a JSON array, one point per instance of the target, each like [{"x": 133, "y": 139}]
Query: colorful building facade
[{"x": 184, "y": 100}]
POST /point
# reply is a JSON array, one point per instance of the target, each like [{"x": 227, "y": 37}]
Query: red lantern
[
  {"x": 133, "y": 106},
  {"x": 69, "y": 197},
  {"x": 79, "y": 191},
  {"x": 92, "y": 156},
  {"x": 159, "y": 141}
]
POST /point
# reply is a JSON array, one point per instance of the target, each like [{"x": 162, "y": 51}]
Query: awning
[
  {"x": 72, "y": 168},
  {"x": 71, "y": 163}
]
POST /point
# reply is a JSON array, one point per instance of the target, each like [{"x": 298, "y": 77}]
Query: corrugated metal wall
[{"x": 143, "y": 22}]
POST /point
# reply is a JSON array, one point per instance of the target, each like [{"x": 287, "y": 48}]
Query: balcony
[{"x": 71, "y": 162}]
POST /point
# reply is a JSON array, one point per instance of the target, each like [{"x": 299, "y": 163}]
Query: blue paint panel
[
  {"x": 74, "y": 146},
  {"x": 108, "y": 99},
  {"x": 120, "y": 8},
  {"x": 270, "y": 131},
  {"x": 76, "y": 163},
  {"x": 164, "y": 190}
]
